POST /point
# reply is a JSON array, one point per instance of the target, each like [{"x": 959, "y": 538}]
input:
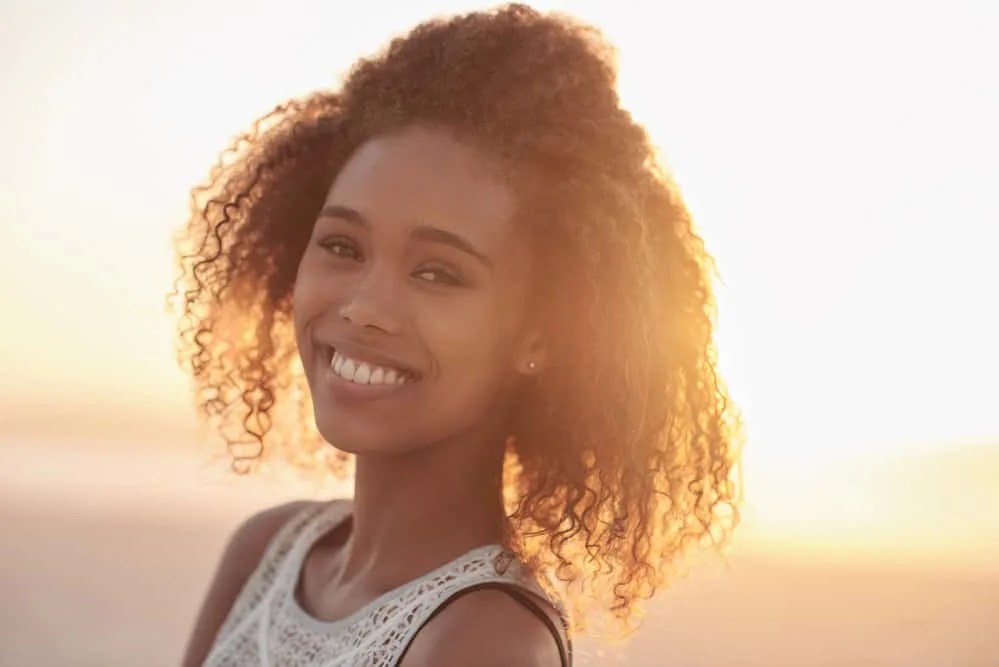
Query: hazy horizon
[{"x": 73, "y": 598}]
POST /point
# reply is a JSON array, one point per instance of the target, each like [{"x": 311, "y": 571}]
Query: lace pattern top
[{"x": 267, "y": 627}]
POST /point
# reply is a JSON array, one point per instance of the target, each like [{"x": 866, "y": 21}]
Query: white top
[{"x": 267, "y": 627}]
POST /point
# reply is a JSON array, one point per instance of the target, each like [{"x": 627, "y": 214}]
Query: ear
[{"x": 532, "y": 354}]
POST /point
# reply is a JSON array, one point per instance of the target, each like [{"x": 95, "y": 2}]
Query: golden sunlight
[
  {"x": 838, "y": 159},
  {"x": 840, "y": 162}
]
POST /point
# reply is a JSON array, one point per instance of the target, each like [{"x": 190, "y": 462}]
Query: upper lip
[{"x": 369, "y": 354}]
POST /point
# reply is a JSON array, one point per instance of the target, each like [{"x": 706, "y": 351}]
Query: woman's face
[{"x": 410, "y": 298}]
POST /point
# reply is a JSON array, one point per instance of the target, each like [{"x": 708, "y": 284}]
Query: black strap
[{"x": 522, "y": 596}]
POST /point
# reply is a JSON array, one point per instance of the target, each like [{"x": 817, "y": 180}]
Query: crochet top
[{"x": 267, "y": 626}]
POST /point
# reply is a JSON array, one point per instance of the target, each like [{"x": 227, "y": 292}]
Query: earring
[{"x": 531, "y": 365}]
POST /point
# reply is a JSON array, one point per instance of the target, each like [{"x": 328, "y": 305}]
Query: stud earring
[{"x": 531, "y": 365}]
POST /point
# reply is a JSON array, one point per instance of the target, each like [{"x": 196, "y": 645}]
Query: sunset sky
[{"x": 840, "y": 159}]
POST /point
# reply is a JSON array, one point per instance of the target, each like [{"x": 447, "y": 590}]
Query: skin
[
  {"x": 374, "y": 281},
  {"x": 416, "y": 263}
]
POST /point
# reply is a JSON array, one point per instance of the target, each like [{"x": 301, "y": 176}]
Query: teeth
[{"x": 361, "y": 372}]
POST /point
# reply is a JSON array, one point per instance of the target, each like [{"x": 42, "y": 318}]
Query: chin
[{"x": 359, "y": 437}]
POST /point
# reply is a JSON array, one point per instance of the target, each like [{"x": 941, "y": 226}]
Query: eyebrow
[
  {"x": 424, "y": 233},
  {"x": 343, "y": 213}
]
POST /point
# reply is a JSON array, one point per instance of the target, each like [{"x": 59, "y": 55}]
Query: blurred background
[{"x": 840, "y": 159}]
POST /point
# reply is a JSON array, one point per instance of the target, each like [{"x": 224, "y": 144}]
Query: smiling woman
[{"x": 470, "y": 261}]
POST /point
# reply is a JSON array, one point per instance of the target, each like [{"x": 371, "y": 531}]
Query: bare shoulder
[
  {"x": 250, "y": 539},
  {"x": 487, "y": 628},
  {"x": 240, "y": 558}
]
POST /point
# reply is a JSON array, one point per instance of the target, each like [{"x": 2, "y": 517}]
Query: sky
[{"x": 840, "y": 160}]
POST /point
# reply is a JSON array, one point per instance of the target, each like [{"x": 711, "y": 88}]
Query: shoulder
[
  {"x": 250, "y": 539},
  {"x": 487, "y": 627},
  {"x": 240, "y": 558}
]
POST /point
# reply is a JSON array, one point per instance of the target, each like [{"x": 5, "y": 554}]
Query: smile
[{"x": 364, "y": 373}]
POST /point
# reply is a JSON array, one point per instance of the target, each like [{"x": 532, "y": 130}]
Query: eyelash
[
  {"x": 450, "y": 278},
  {"x": 444, "y": 276},
  {"x": 331, "y": 244}
]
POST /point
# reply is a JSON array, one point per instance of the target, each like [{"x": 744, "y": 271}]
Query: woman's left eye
[{"x": 438, "y": 276}]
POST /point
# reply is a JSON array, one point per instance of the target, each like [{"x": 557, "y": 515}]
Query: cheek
[
  {"x": 470, "y": 346},
  {"x": 310, "y": 299}
]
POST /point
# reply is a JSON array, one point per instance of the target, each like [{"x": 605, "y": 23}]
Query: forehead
[{"x": 427, "y": 177}]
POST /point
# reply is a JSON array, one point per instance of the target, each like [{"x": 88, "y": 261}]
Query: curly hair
[{"x": 625, "y": 452}]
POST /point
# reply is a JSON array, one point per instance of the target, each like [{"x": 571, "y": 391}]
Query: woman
[{"x": 502, "y": 313}]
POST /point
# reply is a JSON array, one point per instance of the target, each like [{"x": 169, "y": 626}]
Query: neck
[{"x": 415, "y": 512}]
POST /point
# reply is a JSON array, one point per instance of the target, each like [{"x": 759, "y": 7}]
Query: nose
[{"x": 373, "y": 303}]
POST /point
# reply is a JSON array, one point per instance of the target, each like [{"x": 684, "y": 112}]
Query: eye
[
  {"x": 439, "y": 276},
  {"x": 341, "y": 248}
]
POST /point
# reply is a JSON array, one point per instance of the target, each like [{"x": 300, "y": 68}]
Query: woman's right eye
[{"x": 340, "y": 248}]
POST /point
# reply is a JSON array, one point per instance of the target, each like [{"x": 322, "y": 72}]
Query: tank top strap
[
  {"x": 526, "y": 590},
  {"x": 305, "y": 529},
  {"x": 274, "y": 562},
  {"x": 506, "y": 573}
]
